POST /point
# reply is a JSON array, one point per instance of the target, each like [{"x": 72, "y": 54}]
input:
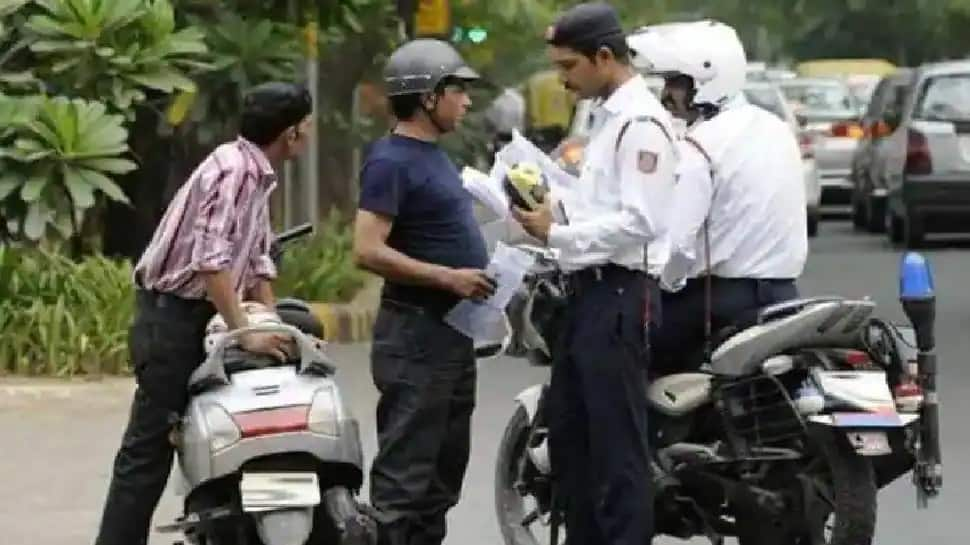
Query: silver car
[
  {"x": 829, "y": 115},
  {"x": 925, "y": 160}
]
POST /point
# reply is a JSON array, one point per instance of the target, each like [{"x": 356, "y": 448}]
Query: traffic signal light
[{"x": 477, "y": 35}]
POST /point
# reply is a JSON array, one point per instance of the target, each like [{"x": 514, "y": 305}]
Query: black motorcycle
[{"x": 784, "y": 436}]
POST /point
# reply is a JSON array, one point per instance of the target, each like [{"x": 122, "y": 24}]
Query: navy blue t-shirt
[{"x": 416, "y": 184}]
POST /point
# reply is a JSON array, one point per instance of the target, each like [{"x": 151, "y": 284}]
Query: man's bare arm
[
  {"x": 371, "y": 252},
  {"x": 263, "y": 292},
  {"x": 219, "y": 287}
]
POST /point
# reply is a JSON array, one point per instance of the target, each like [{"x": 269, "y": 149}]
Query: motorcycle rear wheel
[{"x": 847, "y": 481}]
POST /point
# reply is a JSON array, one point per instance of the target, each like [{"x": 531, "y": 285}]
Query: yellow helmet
[{"x": 526, "y": 185}]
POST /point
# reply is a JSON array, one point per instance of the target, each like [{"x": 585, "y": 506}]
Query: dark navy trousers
[
  {"x": 597, "y": 408},
  {"x": 678, "y": 344}
]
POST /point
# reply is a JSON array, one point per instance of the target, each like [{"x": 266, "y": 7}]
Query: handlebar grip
[{"x": 294, "y": 233}]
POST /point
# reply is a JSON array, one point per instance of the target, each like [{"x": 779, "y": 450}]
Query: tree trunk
[
  {"x": 164, "y": 164},
  {"x": 341, "y": 70}
]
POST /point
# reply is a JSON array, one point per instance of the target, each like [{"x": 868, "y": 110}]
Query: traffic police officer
[
  {"x": 596, "y": 405},
  {"x": 738, "y": 237}
]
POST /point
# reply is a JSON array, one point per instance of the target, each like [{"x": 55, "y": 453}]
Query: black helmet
[{"x": 419, "y": 66}]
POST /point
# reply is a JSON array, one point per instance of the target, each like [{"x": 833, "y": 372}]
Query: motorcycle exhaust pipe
[{"x": 918, "y": 298}]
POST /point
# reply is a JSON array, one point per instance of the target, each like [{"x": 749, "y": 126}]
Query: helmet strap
[
  {"x": 706, "y": 110},
  {"x": 703, "y": 110}
]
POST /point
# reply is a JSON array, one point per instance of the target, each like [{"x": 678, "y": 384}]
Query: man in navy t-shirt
[
  {"x": 414, "y": 182},
  {"x": 415, "y": 227}
]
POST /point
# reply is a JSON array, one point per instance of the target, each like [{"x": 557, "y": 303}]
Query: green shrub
[
  {"x": 118, "y": 51},
  {"x": 58, "y": 156},
  {"x": 321, "y": 268},
  {"x": 63, "y": 318}
]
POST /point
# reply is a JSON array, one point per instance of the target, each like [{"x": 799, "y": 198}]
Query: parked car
[
  {"x": 926, "y": 157},
  {"x": 827, "y": 68},
  {"x": 868, "y": 187},
  {"x": 862, "y": 87},
  {"x": 828, "y": 114},
  {"x": 861, "y": 75}
]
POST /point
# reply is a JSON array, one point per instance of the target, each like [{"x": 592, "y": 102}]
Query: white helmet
[{"x": 709, "y": 52}]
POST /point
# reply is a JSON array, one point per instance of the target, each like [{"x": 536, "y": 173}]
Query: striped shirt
[{"x": 218, "y": 221}]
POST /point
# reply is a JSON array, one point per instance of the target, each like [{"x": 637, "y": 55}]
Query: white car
[{"x": 763, "y": 94}]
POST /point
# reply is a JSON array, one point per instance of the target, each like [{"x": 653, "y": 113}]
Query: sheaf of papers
[
  {"x": 488, "y": 192},
  {"x": 521, "y": 149},
  {"x": 487, "y": 188},
  {"x": 484, "y": 321}
]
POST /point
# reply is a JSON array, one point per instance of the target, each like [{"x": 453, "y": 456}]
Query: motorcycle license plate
[
  {"x": 270, "y": 491},
  {"x": 869, "y": 443}
]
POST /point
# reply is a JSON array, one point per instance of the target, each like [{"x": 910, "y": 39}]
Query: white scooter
[{"x": 268, "y": 452}]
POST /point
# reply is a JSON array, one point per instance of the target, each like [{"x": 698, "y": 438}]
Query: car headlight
[
  {"x": 223, "y": 431},
  {"x": 324, "y": 414}
]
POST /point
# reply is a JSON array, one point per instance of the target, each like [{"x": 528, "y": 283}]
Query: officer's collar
[
  {"x": 629, "y": 93},
  {"x": 735, "y": 102},
  {"x": 731, "y": 104}
]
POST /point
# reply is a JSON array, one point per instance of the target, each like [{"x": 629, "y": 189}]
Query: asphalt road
[{"x": 57, "y": 440}]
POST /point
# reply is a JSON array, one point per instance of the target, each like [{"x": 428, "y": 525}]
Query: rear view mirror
[{"x": 802, "y": 120}]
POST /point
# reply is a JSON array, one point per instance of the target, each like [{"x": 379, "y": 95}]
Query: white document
[
  {"x": 484, "y": 321},
  {"x": 488, "y": 191},
  {"x": 562, "y": 185},
  {"x": 521, "y": 149}
]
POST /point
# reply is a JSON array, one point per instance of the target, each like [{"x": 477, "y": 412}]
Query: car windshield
[
  {"x": 945, "y": 98},
  {"x": 767, "y": 98},
  {"x": 820, "y": 96},
  {"x": 862, "y": 91}
]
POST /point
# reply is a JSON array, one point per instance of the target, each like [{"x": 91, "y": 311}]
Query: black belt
[
  {"x": 401, "y": 306},
  {"x": 166, "y": 301},
  {"x": 589, "y": 276}
]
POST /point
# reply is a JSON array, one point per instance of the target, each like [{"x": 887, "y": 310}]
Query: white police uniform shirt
[
  {"x": 755, "y": 205},
  {"x": 623, "y": 193}
]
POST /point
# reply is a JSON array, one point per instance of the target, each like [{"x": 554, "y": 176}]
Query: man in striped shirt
[{"x": 210, "y": 250}]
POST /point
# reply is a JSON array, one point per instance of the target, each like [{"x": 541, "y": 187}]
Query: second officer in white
[{"x": 738, "y": 226}]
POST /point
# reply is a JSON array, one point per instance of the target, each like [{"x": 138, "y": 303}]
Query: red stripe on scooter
[{"x": 272, "y": 421}]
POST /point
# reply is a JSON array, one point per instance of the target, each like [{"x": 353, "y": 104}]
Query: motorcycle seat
[
  {"x": 680, "y": 393},
  {"x": 825, "y": 322}
]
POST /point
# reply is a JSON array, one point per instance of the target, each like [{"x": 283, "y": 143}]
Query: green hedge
[
  {"x": 64, "y": 318},
  {"x": 321, "y": 267}
]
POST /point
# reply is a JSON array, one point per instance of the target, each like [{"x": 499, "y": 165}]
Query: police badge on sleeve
[{"x": 647, "y": 161}]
